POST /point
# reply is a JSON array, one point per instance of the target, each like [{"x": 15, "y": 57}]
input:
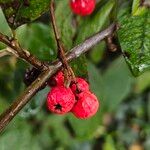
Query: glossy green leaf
[
  {"x": 19, "y": 12},
  {"x": 134, "y": 37}
]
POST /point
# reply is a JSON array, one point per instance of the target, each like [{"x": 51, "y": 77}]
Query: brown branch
[
  {"x": 24, "y": 98},
  {"x": 22, "y": 53}
]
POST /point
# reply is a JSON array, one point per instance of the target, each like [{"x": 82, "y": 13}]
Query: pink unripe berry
[
  {"x": 57, "y": 79},
  {"x": 86, "y": 106},
  {"x": 80, "y": 86},
  {"x": 82, "y": 7},
  {"x": 60, "y": 100}
]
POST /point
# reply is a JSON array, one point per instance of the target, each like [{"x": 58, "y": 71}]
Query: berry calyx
[
  {"x": 86, "y": 106},
  {"x": 80, "y": 86},
  {"x": 57, "y": 79},
  {"x": 60, "y": 100},
  {"x": 82, "y": 7}
]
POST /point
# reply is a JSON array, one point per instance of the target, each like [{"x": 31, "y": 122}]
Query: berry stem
[{"x": 69, "y": 74}]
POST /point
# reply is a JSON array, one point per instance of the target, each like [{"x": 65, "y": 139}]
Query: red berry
[
  {"x": 80, "y": 86},
  {"x": 57, "y": 79},
  {"x": 60, "y": 100},
  {"x": 86, "y": 106},
  {"x": 83, "y": 7}
]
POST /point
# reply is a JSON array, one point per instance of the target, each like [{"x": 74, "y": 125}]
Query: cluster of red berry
[
  {"x": 76, "y": 99},
  {"x": 82, "y": 7}
]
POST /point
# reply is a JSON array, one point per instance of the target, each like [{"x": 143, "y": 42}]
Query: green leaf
[
  {"x": 109, "y": 144},
  {"x": 64, "y": 23},
  {"x": 18, "y": 12},
  {"x": 39, "y": 40},
  {"x": 137, "y": 9},
  {"x": 79, "y": 66},
  {"x": 4, "y": 28},
  {"x": 112, "y": 86},
  {"x": 134, "y": 37},
  {"x": 84, "y": 129},
  {"x": 117, "y": 84},
  {"x": 142, "y": 82}
]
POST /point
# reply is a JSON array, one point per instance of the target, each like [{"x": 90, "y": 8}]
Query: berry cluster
[
  {"x": 76, "y": 99},
  {"x": 82, "y": 7}
]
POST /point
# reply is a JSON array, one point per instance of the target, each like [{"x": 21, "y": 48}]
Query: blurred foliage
[{"x": 123, "y": 119}]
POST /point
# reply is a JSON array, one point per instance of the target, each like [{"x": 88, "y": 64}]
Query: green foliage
[
  {"x": 39, "y": 40},
  {"x": 135, "y": 41},
  {"x": 19, "y": 137},
  {"x": 20, "y": 12},
  {"x": 124, "y": 114},
  {"x": 143, "y": 82},
  {"x": 109, "y": 144}
]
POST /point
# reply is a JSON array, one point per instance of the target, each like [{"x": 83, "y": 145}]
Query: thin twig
[
  {"x": 24, "y": 54},
  {"x": 24, "y": 98},
  {"x": 12, "y": 52},
  {"x": 8, "y": 51},
  {"x": 4, "y": 52},
  {"x": 69, "y": 75}
]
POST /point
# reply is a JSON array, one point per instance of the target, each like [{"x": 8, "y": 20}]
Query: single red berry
[
  {"x": 57, "y": 79},
  {"x": 86, "y": 106},
  {"x": 80, "y": 86},
  {"x": 83, "y": 7},
  {"x": 60, "y": 100}
]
